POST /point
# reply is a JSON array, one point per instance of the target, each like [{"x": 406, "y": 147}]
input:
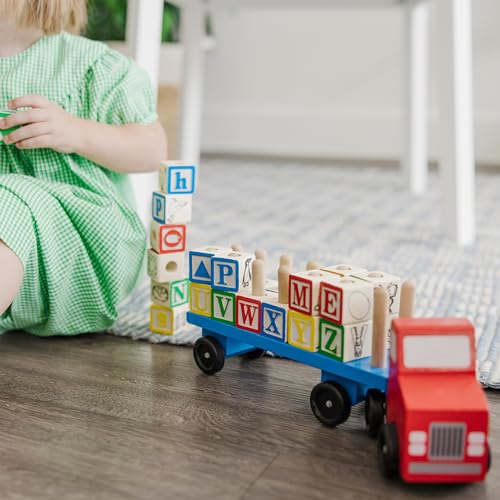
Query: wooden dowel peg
[
  {"x": 283, "y": 279},
  {"x": 407, "y": 305},
  {"x": 286, "y": 260},
  {"x": 380, "y": 326},
  {"x": 237, "y": 247},
  {"x": 258, "y": 278},
  {"x": 311, "y": 265},
  {"x": 261, "y": 254}
]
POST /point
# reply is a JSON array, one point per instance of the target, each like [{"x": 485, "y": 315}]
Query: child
[{"x": 71, "y": 245}]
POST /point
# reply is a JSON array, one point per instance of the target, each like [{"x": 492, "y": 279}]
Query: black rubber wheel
[
  {"x": 208, "y": 355},
  {"x": 255, "y": 354},
  {"x": 330, "y": 403},
  {"x": 374, "y": 411},
  {"x": 388, "y": 450}
]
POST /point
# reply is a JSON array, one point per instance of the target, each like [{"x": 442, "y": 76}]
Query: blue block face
[
  {"x": 225, "y": 274},
  {"x": 159, "y": 208},
  {"x": 181, "y": 180},
  {"x": 200, "y": 267},
  {"x": 274, "y": 321}
]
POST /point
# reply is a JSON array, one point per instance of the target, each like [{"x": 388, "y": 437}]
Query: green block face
[
  {"x": 331, "y": 340},
  {"x": 179, "y": 293},
  {"x": 223, "y": 306},
  {"x": 3, "y": 114}
]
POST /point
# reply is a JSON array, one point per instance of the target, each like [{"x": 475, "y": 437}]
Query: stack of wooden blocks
[
  {"x": 171, "y": 211},
  {"x": 327, "y": 310}
]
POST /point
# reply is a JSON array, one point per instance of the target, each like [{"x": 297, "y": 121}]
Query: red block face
[
  {"x": 331, "y": 303},
  {"x": 300, "y": 295},
  {"x": 248, "y": 314},
  {"x": 172, "y": 239}
]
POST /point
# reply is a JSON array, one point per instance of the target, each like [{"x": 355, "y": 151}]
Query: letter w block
[{"x": 248, "y": 313}]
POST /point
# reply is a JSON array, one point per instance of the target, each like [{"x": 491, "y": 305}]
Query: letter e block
[
  {"x": 200, "y": 267},
  {"x": 223, "y": 306},
  {"x": 232, "y": 271},
  {"x": 200, "y": 299},
  {"x": 303, "y": 331},
  {"x": 248, "y": 313},
  {"x": 170, "y": 209},
  {"x": 177, "y": 178}
]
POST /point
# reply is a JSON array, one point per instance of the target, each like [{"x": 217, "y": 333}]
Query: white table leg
[
  {"x": 192, "y": 34},
  {"x": 456, "y": 122},
  {"x": 415, "y": 63}
]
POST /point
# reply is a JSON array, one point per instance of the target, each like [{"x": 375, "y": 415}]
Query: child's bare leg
[{"x": 11, "y": 276}]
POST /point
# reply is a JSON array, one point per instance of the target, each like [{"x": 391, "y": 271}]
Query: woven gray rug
[{"x": 356, "y": 215}]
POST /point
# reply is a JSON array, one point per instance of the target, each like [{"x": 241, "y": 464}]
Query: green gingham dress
[{"x": 70, "y": 221}]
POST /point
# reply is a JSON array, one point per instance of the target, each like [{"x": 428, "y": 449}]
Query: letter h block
[
  {"x": 232, "y": 271},
  {"x": 177, "y": 178}
]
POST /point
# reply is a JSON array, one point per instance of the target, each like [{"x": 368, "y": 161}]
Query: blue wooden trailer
[{"x": 343, "y": 384}]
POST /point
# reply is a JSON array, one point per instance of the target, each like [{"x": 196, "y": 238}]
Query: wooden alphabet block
[
  {"x": 172, "y": 294},
  {"x": 345, "y": 342},
  {"x": 274, "y": 319},
  {"x": 200, "y": 267},
  {"x": 303, "y": 331},
  {"x": 167, "y": 238},
  {"x": 223, "y": 306},
  {"x": 344, "y": 270},
  {"x": 200, "y": 299},
  {"x": 177, "y": 177},
  {"x": 165, "y": 320},
  {"x": 303, "y": 291},
  {"x": 350, "y": 300},
  {"x": 248, "y": 313},
  {"x": 166, "y": 267},
  {"x": 171, "y": 209},
  {"x": 232, "y": 271}
]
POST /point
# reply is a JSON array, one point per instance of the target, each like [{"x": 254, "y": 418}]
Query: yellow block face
[
  {"x": 303, "y": 331},
  {"x": 161, "y": 320},
  {"x": 200, "y": 299}
]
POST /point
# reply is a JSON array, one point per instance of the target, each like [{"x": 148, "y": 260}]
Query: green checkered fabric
[{"x": 70, "y": 221}]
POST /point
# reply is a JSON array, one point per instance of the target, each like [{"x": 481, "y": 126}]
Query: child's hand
[{"x": 46, "y": 125}]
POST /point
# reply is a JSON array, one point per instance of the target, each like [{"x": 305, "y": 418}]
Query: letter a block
[
  {"x": 200, "y": 267},
  {"x": 223, "y": 306},
  {"x": 350, "y": 300},
  {"x": 274, "y": 318},
  {"x": 166, "y": 267},
  {"x": 168, "y": 238},
  {"x": 303, "y": 331},
  {"x": 232, "y": 271},
  {"x": 248, "y": 313},
  {"x": 166, "y": 321},
  {"x": 177, "y": 178},
  {"x": 173, "y": 294},
  {"x": 171, "y": 209},
  {"x": 345, "y": 342},
  {"x": 303, "y": 292},
  {"x": 200, "y": 299}
]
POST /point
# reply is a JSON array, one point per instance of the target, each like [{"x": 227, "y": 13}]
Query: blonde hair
[{"x": 51, "y": 16}]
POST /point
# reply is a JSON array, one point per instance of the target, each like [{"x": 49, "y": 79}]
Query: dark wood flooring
[{"x": 104, "y": 417}]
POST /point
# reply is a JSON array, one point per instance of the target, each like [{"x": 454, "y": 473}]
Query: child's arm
[{"x": 122, "y": 148}]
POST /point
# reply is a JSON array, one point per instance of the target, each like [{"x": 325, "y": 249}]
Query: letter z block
[
  {"x": 303, "y": 331},
  {"x": 177, "y": 178},
  {"x": 350, "y": 300},
  {"x": 200, "y": 299},
  {"x": 200, "y": 267},
  {"x": 223, "y": 306},
  {"x": 303, "y": 290},
  {"x": 171, "y": 209},
  {"x": 345, "y": 342},
  {"x": 232, "y": 271},
  {"x": 248, "y": 313},
  {"x": 166, "y": 267},
  {"x": 168, "y": 238},
  {"x": 173, "y": 294},
  {"x": 165, "y": 320}
]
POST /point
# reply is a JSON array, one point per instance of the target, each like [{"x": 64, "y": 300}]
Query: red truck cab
[{"x": 436, "y": 412}]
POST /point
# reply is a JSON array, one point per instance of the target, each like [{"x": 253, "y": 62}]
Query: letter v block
[
  {"x": 232, "y": 271},
  {"x": 177, "y": 178},
  {"x": 200, "y": 267},
  {"x": 200, "y": 299},
  {"x": 248, "y": 313},
  {"x": 303, "y": 331},
  {"x": 223, "y": 306}
]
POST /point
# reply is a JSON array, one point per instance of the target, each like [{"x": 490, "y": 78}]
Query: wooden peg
[
  {"x": 261, "y": 254},
  {"x": 311, "y": 265},
  {"x": 237, "y": 247},
  {"x": 407, "y": 304},
  {"x": 380, "y": 308},
  {"x": 283, "y": 279},
  {"x": 286, "y": 260},
  {"x": 258, "y": 278}
]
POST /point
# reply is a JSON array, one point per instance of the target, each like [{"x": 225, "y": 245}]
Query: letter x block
[
  {"x": 345, "y": 342},
  {"x": 274, "y": 319},
  {"x": 303, "y": 290},
  {"x": 200, "y": 267},
  {"x": 232, "y": 271},
  {"x": 303, "y": 331},
  {"x": 200, "y": 299},
  {"x": 166, "y": 321},
  {"x": 177, "y": 178},
  {"x": 350, "y": 300},
  {"x": 248, "y": 313},
  {"x": 223, "y": 306},
  {"x": 173, "y": 294},
  {"x": 168, "y": 238},
  {"x": 171, "y": 209},
  {"x": 166, "y": 267}
]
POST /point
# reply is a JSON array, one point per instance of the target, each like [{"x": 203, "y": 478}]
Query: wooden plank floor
[{"x": 105, "y": 417}]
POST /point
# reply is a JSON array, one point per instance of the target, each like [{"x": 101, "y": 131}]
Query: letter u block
[
  {"x": 350, "y": 300},
  {"x": 232, "y": 271},
  {"x": 177, "y": 177},
  {"x": 200, "y": 299},
  {"x": 345, "y": 342},
  {"x": 223, "y": 306},
  {"x": 171, "y": 209},
  {"x": 303, "y": 331},
  {"x": 303, "y": 290},
  {"x": 200, "y": 267},
  {"x": 248, "y": 313}
]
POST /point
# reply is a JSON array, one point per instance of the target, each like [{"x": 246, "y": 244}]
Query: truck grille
[{"x": 447, "y": 441}]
